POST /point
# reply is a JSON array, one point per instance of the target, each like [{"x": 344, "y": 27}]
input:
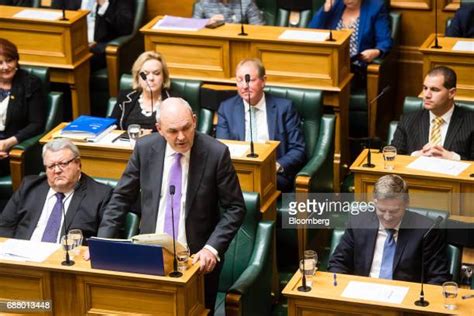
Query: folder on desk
[{"x": 125, "y": 256}]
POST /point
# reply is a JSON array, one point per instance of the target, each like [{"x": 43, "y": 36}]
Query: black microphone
[
  {"x": 143, "y": 76},
  {"x": 436, "y": 45},
  {"x": 381, "y": 93},
  {"x": 252, "y": 151},
  {"x": 330, "y": 38},
  {"x": 422, "y": 302},
  {"x": 63, "y": 7},
  {"x": 242, "y": 20},
  {"x": 304, "y": 287},
  {"x": 67, "y": 261},
  {"x": 175, "y": 273}
]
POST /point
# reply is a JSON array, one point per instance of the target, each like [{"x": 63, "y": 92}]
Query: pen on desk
[
  {"x": 335, "y": 280},
  {"x": 116, "y": 138},
  {"x": 465, "y": 297}
]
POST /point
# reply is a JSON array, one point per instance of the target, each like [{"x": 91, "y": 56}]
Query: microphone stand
[
  {"x": 143, "y": 76},
  {"x": 330, "y": 38},
  {"x": 436, "y": 45},
  {"x": 67, "y": 262},
  {"x": 303, "y": 287},
  {"x": 369, "y": 163},
  {"x": 64, "y": 11},
  {"x": 175, "y": 273},
  {"x": 242, "y": 32},
  {"x": 252, "y": 150}
]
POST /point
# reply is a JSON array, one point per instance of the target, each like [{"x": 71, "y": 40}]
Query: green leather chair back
[
  {"x": 269, "y": 10},
  {"x": 42, "y": 73},
  {"x": 283, "y": 18}
]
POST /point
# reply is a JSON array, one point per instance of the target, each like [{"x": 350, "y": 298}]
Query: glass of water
[
  {"x": 389, "y": 153},
  {"x": 75, "y": 237},
  {"x": 308, "y": 267},
  {"x": 67, "y": 244},
  {"x": 450, "y": 293},
  {"x": 134, "y": 131},
  {"x": 312, "y": 255},
  {"x": 182, "y": 257}
]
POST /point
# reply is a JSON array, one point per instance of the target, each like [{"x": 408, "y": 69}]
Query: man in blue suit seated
[
  {"x": 272, "y": 119},
  {"x": 388, "y": 243},
  {"x": 462, "y": 24}
]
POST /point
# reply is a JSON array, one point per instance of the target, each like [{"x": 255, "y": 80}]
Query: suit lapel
[
  {"x": 425, "y": 129},
  {"x": 370, "y": 241},
  {"x": 156, "y": 168},
  {"x": 239, "y": 118},
  {"x": 271, "y": 108},
  {"x": 79, "y": 195},
  {"x": 197, "y": 162},
  {"x": 402, "y": 239},
  {"x": 453, "y": 128}
]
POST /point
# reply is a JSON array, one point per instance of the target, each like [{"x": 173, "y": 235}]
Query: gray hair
[
  {"x": 391, "y": 186},
  {"x": 60, "y": 144},
  {"x": 173, "y": 100}
]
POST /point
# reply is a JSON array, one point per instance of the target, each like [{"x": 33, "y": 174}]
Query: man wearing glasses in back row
[{"x": 35, "y": 211}]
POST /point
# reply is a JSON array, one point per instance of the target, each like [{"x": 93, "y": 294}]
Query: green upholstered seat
[
  {"x": 283, "y": 15},
  {"x": 269, "y": 10},
  {"x": 27, "y": 154},
  {"x": 189, "y": 89},
  {"x": 247, "y": 270},
  {"x": 120, "y": 56}
]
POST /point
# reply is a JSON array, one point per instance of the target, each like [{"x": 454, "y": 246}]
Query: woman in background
[
  {"x": 22, "y": 103},
  {"x": 139, "y": 105},
  {"x": 229, "y": 11}
]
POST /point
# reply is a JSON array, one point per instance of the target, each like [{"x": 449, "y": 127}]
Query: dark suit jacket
[
  {"x": 212, "y": 184},
  {"x": 26, "y": 113},
  {"x": 374, "y": 24},
  {"x": 283, "y": 125},
  {"x": 355, "y": 251},
  {"x": 17, "y": 3},
  {"x": 462, "y": 24},
  {"x": 117, "y": 20},
  {"x": 412, "y": 133},
  {"x": 20, "y": 216}
]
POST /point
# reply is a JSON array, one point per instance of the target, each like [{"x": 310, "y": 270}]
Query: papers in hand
[
  {"x": 178, "y": 23},
  {"x": 49, "y": 15},
  {"x": 375, "y": 292},
  {"x": 26, "y": 250},
  {"x": 312, "y": 36},
  {"x": 467, "y": 46},
  {"x": 439, "y": 165}
]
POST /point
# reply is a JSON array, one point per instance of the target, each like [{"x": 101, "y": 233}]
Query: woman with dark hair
[
  {"x": 139, "y": 105},
  {"x": 22, "y": 103},
  {"x": 370, "y": 25}
]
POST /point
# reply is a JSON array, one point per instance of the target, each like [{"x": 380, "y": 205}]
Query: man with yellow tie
[{"x": 441, "y": 129}]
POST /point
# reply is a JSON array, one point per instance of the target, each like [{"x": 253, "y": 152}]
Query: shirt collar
[
  {"x": 171, "y": 152},
  {"x": 446, "y": 116},
  {"x": 260, "y": 104}
]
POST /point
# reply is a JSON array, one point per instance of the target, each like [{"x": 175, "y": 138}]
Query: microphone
[
  {"x": 381, "y": 93},
  {"x": 143, "y": 76},
  {"x": 67, "y": 261},
  {"x": 422, "y": 302},
  {"x": 304, "y": 287},
  {"x": 63, "y": 7},
  {"x": 436, "y": 45},
  {"x": 369, "y": 163},
  {"x": 242, "y": 19},
  {"x": 175, "y": 273},
  {"x": 252, "y": 151},
  {"x": 330, "y": 38}
]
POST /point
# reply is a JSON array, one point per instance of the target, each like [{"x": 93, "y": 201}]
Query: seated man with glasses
[{"x": 35, "y": 211}]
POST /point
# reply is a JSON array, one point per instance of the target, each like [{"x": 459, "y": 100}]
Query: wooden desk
[
  {"x": 81, "y": 290},
  {"x": 60, "y": 45},
  {"x": 213, "y": 55},
  {"x": 429, "y": 190},
  {"x": 255, "y": 174},
  {"x": 325, "y": 298},
  {"x": 460, "y": 61}
]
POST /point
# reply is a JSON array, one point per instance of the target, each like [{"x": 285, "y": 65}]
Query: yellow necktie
[{"x": 435, "y": 136}]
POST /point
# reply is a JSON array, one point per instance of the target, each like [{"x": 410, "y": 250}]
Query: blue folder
[{"x": 126, "y": 256}]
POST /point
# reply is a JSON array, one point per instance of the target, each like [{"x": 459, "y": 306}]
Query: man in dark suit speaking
[
  {"x": 389, "y": 243},
  {"x": 272, "y": 119},
  {"x": 35, "y": 211},
  {"x": 201, "y": 171},
  {"x": 441, "y": 129}
]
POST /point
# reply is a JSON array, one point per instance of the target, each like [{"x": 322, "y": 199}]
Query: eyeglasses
[{"x": 61, "y": 165}]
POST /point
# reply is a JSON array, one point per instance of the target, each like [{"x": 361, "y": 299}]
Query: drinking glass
[
  {"x": 68, "y": 244},
  {"x": 75, "y": 237},
  {"x": 312, "y": 255},
  {"x": 389, "y": 153},
  {"x": 450, "y": 293},
  {"x": 182, "y": 257},
  {"x": 308, "y": 267},
  {"x": 134, "y": 132}
]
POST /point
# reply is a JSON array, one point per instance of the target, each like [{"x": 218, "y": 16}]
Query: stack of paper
[
  {"x": 88, "y": 128},
  {"x": 178, "y": 23},
  {"x": 26, "y": 250}
]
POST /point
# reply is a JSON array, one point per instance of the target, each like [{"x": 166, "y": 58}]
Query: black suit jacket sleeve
[{"x": 435, "y": 254}]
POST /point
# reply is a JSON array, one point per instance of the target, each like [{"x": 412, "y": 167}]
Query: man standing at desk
[
  {"x": 388, "y": 244},
  {"x": 200, "y": 169},
  {"x": 272, "y": 119},
  {"x": 441, "y": 129},
  {"x": 35, "y": 211}
]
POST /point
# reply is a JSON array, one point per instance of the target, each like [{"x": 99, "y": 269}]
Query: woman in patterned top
[
  {"x": 229, "y": 11},
  {"x": 369, "y": 21}
]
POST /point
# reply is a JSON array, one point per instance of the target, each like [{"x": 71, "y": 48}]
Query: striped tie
[{"x": 435, "y": 136}]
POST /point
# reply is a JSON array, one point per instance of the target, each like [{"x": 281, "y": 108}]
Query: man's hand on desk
[{"x": 206, "y": 259}]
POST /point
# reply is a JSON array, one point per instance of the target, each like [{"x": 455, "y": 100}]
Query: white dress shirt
[
  {"x": 46, "y": 212},
  {"x": 378, "y": 250}
]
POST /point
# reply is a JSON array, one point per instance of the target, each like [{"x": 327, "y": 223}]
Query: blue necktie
[
  {"x": 54, "y": 222},
  {"x": 175, "y": 178},
  {"x": 386, "y": 269}
]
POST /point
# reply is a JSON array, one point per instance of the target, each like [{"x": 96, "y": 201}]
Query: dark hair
[
  {"x": 8, "y": 49},
  {"x": 449, "y": 75}
]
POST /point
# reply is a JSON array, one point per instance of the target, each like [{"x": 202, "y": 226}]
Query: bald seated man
[{"x": 200, "y": 170}]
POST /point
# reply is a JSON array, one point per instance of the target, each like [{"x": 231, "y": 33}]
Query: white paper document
[
  {"x": 49, "y": 15},
  {"x": 304, "y": 35},
  {"x": 375, "y": 292},
  {"x": 26, "y": 250},
  {"x": 180, "y": 24},
  {"x": 438, "y": 165},
  {"x": 237, "y": 150},
  {"x": 467, "y": 46}
]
